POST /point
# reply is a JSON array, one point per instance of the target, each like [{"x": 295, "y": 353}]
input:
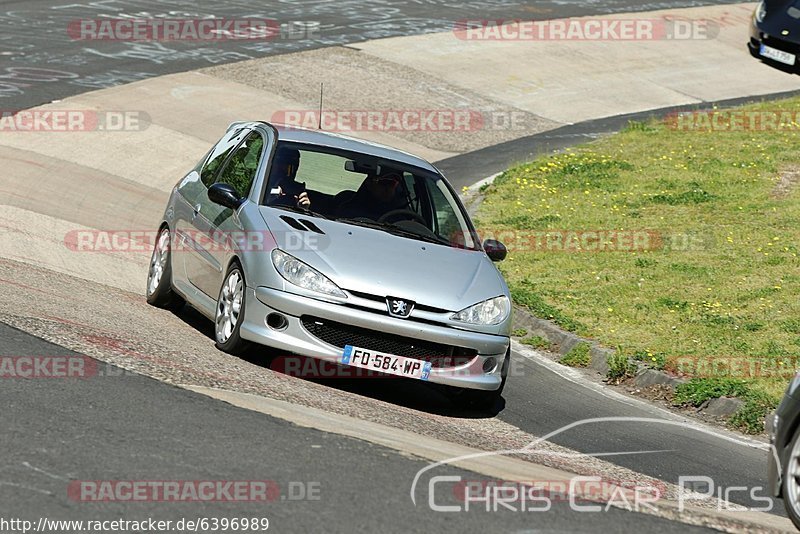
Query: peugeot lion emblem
[{"x": 399, "y": 307}]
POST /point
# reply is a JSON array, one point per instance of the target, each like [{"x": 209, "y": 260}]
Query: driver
[
  {"x": 377, "y": 196},
  {"x": 283, "y": 173}
]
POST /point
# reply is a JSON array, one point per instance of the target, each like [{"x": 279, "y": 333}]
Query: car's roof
[{"x": 296, "y": 134}]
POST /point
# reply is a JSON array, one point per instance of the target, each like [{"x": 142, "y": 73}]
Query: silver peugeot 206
[{"x": 339, "y": 249}]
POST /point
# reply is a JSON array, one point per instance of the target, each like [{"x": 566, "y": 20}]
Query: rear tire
[
  {"x": 230, "y": 312},
  {"x": 159, "y": 274}
]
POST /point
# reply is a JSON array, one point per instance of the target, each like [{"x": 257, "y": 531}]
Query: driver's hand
[{"x": 303, "y": 201}]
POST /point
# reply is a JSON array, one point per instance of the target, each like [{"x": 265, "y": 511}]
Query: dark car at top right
[{"x": 775, "y": 33}]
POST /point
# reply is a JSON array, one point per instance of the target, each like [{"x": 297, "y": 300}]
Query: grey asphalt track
[
  {"x": 539, "y": 401},
  {"x": 119, "y": 426},
  {"x": 129, "y": 427}
]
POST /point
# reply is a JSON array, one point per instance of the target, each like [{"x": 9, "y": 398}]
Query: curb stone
[
  {"x": 560, "y": 340},
  {"x": 651, "y": 377},
  {"x": 723, "y": 406}
]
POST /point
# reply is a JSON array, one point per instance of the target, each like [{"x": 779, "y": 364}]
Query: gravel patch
[{"x": 357, "y": 81}]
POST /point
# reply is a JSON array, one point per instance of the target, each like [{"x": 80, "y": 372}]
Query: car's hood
[{"x": 381, "y": 264}]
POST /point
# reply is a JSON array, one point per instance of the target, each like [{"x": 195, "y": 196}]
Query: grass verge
[
  {"x": 578, "y": 356},
  {"x": 680, "y": 246}
]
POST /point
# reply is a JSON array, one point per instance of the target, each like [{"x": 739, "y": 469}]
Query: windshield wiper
[
  {"x": 422, "y": 237},
  {"x": 396, "y": 230},
  {"x": 363, "y": 222}
]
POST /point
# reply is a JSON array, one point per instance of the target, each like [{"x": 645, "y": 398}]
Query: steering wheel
[{"x": 396, "y": 214}]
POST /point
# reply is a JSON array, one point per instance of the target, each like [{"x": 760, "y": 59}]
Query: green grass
[
  {"x": 719, "y": 275},
  {"x": 523, "y": 294},
  {"x": 578, "y": 356},
  {"x": 696, "y": 391},
  {"x": 537, "y": 342},
  {"x": 620, "y": 367}
]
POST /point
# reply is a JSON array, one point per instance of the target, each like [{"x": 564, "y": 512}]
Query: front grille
[
  {"x": 339, "y": 335},
  {"x": 382, "y": 300},
  {"x": 782, "y": 44}
]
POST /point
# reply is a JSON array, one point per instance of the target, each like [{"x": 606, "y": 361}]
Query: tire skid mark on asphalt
[
  {"x": 108, "y": 342},
  {"x": 31, "y": 288}
]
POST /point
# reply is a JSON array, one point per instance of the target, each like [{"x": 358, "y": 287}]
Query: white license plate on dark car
[{"x": 778, "y": 55}]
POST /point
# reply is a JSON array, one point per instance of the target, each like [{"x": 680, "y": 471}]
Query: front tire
[
  {"x": 159, "y": 274},
  {"x": 230, "y": 312},
  {"x": 791, "y": 481}
]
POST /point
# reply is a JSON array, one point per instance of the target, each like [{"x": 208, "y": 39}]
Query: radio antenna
[{"x": 319, "y": 127}]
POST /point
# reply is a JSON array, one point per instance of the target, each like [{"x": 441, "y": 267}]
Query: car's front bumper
[
  {"x": 294, "y": 338},
  {"x": 759, "y": 35}
]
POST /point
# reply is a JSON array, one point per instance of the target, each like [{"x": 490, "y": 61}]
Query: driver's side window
[
  {"x": 219, "y": 154},
  {"x": 240, "y": 171},
  {"x": 446, "y": 223}
]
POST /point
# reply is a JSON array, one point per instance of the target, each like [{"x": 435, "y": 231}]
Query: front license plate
[
  {"x": 386, "y": 363},
  {"x": 778, "y": 55}
]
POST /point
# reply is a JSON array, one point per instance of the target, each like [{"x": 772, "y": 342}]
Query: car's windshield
[{"x": 367, "y": 191}]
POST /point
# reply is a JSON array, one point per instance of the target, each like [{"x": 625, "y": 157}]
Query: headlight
[
  {"x": 488, "y": 312},
  {"x": 761, "y": 11},
  {"x": 302, "y": 275}
]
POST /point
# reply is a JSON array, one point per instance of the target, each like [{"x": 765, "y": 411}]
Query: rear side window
[
  {"x": 218, "y": 155},
  {"x": 242, "y": 166}
]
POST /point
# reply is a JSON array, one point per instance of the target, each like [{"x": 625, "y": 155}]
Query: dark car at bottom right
[
  {"x": 775, "y": 33},
  {"x": 783, "y": 428}
]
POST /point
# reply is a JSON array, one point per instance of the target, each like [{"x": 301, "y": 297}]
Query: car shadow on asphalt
[{"x": 408, "y": 393}]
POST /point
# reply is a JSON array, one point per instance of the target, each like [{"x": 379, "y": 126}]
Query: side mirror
[
  {"x": 224, "y": 195},
  {"x": 495, "y": 250}
]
